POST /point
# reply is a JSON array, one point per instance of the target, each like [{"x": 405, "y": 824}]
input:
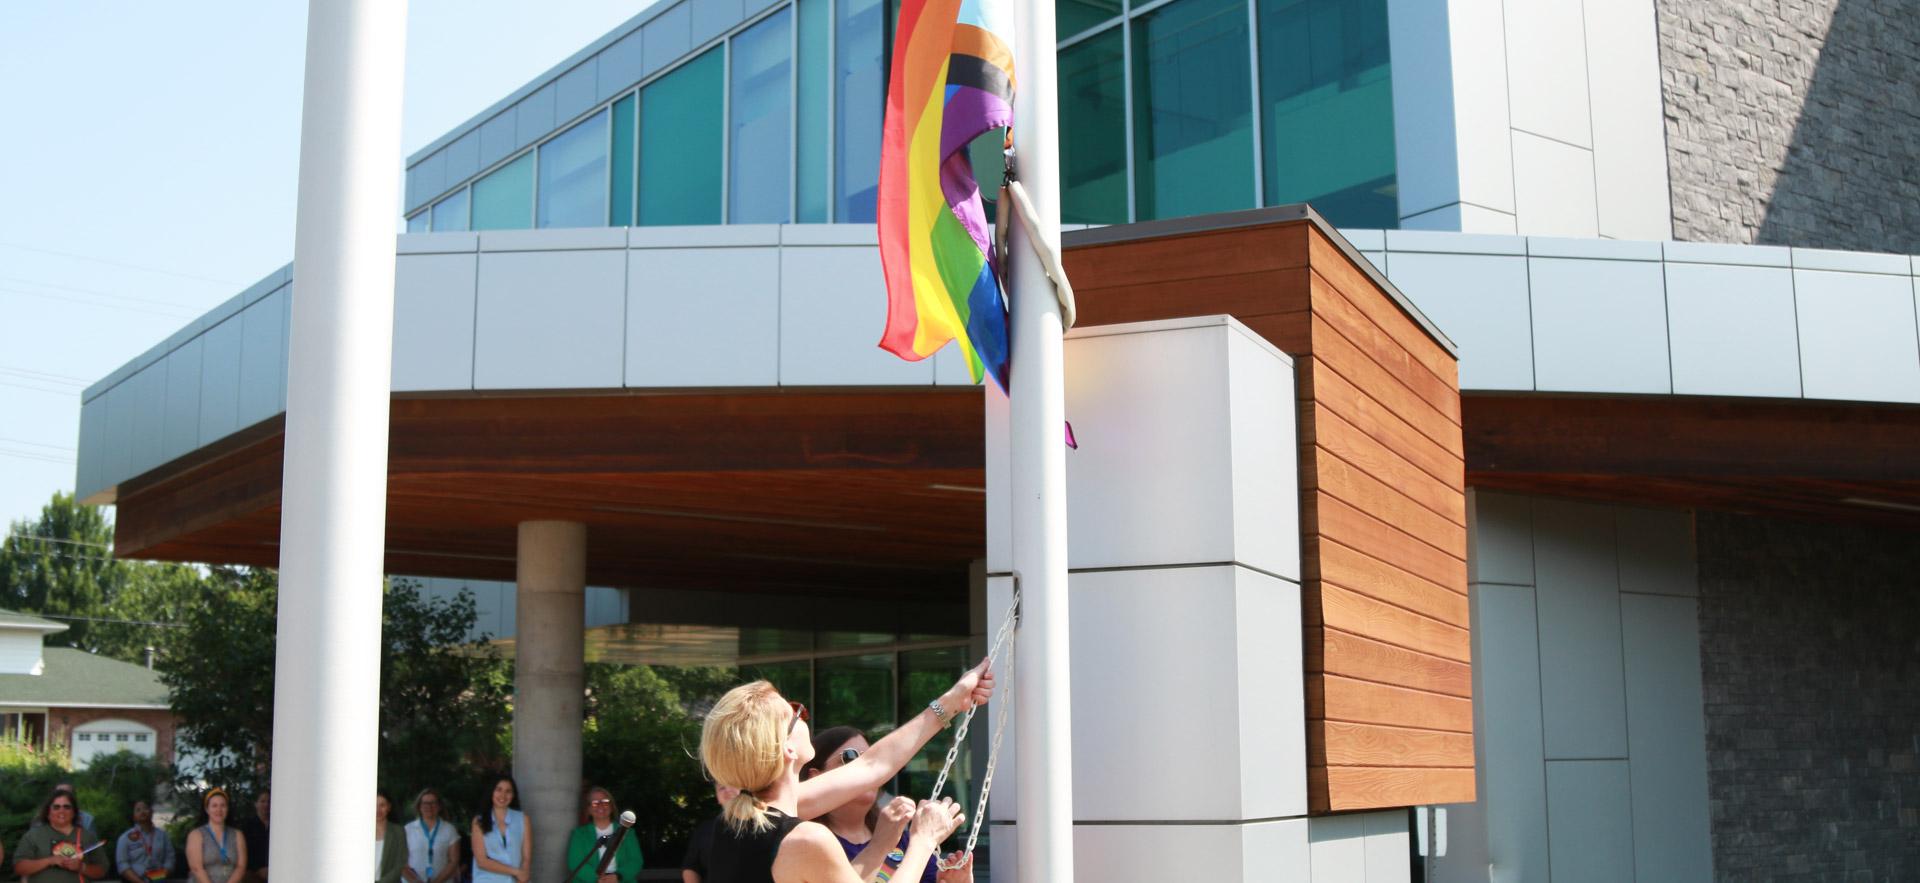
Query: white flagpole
[
  {"x": 334, "y": 492},
  {"x": 1044, "y": 701}
]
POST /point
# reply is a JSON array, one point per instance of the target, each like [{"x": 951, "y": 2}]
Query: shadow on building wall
[{"x": 1851, "y": 175}]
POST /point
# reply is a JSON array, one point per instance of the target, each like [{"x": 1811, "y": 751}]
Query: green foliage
[
  {"x": 106, "y": 788},
  {"x": 640, "y": 741},
  {"x": 60, "y": 565},
  {"x": 218, "y": 668},
  {"x": 443, "y": 702}
]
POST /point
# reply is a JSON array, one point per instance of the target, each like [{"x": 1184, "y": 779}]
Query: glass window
[
  {"x": 1324, "y": 68},
  {"x": 681, "y": 126},
  {"x": 1073, "y": 16},
  {"x": 451, "y": 213},
  {"x": 810, "y": 154},
  {"x": 417, "y": 223},
  {"x": 854, "y": 691},
  {"x": 860, "y": 96},
  {"x": 1192, "y": 110},
  {"x": 573, "y": 176},
  {"x": 794, "y": 679},
  {"x": 620, "y": 184},
  {"x": 503, "y": 200},
  {"x": 924, "y": 675},
  {"x": 762, "y": 126},
  {"x": 1093, "y": 131}
]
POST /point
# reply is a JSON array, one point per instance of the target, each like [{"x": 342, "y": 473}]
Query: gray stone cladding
[
  {"x": 1810, "y": 656},
  {"x": 1793, "y": 122}
]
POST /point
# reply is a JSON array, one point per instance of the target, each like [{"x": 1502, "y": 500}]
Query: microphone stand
[{"x": 586, "y": 858}]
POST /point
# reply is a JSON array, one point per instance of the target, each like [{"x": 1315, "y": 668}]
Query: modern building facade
[{"x": 1639, "y": 558}]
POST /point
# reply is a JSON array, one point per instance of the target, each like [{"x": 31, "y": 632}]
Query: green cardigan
[
  {"x": 627, "y": 856},
  {"x": 393, "y": 855}
]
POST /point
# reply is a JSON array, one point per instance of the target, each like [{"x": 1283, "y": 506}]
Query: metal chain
[{"x": 1007, "y": 636}]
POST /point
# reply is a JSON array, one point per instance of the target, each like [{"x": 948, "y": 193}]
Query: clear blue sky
[{"x": 148, "y": 173}]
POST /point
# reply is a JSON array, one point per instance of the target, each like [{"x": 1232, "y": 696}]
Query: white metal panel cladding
[
  {"x": 1604, "y": 316},
  {"x": 1666, "y": 732},
  {"x": 1583, "y": 699},
  {"x": 683, "y": 307},
  {"x": 181, "y": 423},
  {"x": 1733, "y": 330},
  {"x": 1857, "y": 336},
  {"x": 1599, "y": 326},
  {"x": 550, "y": 320},
  {"x": 433, "y": 310}
]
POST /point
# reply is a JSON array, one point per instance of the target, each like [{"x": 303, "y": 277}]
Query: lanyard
[
  {"x": 431, "y": 836},
  {"x": 221, "y": 844},
  {"x": 505, "y": 827}
]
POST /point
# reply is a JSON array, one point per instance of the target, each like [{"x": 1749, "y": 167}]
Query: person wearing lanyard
[
  {"x": 502, "y": 845},
  {"x": 216, "y": 853},
  {"x": 143, "y": 853},
  {"x": 57, "y": 849},
  {"x": 430, "y": 841}
]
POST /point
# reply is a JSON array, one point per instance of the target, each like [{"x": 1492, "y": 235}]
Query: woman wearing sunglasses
[
  {"x": 756, "y": 740},
  {"x": 870, "y": 834},
  {"x": 601, "y": 822},
  {"x": 56, "y": 848}
]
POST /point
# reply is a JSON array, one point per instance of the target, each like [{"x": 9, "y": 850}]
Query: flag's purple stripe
[
  {"x": 969, "y": 112},
  {"x": 963, "y": 196}
]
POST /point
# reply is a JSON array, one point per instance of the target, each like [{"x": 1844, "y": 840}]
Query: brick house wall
[{"x": 61, "y": 723}]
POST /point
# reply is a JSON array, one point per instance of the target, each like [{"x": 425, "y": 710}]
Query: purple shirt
[{"x": 933, "y": 864}]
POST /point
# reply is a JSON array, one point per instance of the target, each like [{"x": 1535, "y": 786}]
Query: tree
[
  {"x": 61, "y": 566},
  {"x": 641, "y": 737},
  {"x": 443, "y": 700}
]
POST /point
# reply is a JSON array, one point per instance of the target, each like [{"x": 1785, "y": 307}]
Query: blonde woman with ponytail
[{"x": 756, "y": 740}]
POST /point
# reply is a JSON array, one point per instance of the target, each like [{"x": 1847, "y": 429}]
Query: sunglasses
[
  {"x": 799, "y": 714},
  {"x": 849, "y": 755}
]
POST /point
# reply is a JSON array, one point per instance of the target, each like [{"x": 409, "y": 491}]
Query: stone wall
[
  {"x": 1810, "y": 653},
  {"x": 1793, "y": 122}
]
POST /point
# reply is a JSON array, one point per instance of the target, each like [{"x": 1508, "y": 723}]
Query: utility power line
[{"x": 113, "y": 263}]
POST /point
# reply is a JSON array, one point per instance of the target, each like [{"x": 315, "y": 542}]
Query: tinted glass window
[
  {"x": 762, "y": 126},
  {"x": 860, "y": 94},
  {"x": 451, "y": 213},
  {"x": 1093, "y": 131},
  {"x": 1327, "y": 109},
  {"x": 814, "y": 70},
  {"x": 1193, "y": 110},
  {"x": 503, "y": 200},
  {"x": 573, "y": 176},
  {"x": 681, "y": 128},
  {"x": 620, "y": 177}
]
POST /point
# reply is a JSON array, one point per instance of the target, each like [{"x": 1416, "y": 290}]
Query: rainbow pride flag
[{"x": 952, "y": 80}]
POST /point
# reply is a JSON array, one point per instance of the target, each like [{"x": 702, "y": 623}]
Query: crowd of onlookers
[{"x": 64, "y": 845}]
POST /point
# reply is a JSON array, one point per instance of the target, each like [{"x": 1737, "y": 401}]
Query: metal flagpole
[
  {"x": 1037, "y": 445},
  {"x": 333, "y": 515}
]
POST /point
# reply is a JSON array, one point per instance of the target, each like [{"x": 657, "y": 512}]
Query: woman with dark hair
[
  {"x": 502, "y": 845},
  {"x": 389, "y": 842},
  {"x": 601, "y": 814},
  {"x": 869, "y": 834},
  {"x": 216, "y": 853},
  {"x": 57, "y": 848}
]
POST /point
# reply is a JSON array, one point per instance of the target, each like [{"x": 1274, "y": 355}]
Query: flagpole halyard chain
[{"x": 1007, "y": 636}]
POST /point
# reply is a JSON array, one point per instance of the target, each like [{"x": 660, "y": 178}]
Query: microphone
[{"x": 606, "y": 858}]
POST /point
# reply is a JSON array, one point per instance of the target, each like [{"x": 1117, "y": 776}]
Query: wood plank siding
[{"x": 1383, "y": 490}]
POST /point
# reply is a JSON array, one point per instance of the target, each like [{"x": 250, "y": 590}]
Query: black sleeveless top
[{"x": 747, "y": 856}]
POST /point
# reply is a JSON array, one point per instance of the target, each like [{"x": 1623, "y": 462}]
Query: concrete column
[{"x": 549, "y": 684}]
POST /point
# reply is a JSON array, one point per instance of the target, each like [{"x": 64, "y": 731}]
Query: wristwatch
[{"x": 940, "y": 713}]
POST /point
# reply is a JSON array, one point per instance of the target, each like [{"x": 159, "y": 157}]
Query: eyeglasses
[
  {"x": 58, "y": 806},
  {"x": 600, "y": 802},
  {"x": 429, "y": 802},
  {"x": 799, "y": 714},
  {"x": 849, "y": 755}
]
